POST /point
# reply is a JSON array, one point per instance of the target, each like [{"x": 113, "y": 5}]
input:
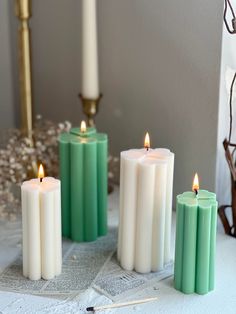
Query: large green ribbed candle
[
  {"x": 83, "y": 174},
  {"x": 196, "y": 217}
]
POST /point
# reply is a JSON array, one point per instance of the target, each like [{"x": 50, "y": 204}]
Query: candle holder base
[{"x": 90, "y": 108}]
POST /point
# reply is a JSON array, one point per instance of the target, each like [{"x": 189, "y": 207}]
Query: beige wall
[{"x": 159, "y": 71}]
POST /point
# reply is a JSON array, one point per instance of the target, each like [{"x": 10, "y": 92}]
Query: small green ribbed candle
[
  {"x": 83, "y": 174},
  {"x": 196, "y": 217}
]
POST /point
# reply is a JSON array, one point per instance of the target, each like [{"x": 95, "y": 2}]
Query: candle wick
[
  {"x": 41, "y": 179},
  {"x": 196, "y": 191}
]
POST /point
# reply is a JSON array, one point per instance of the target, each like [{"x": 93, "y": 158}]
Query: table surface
[{"x": 221, "y": 300}]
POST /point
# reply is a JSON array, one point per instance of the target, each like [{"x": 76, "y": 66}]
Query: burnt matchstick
[{"x": 116, "y": 305}]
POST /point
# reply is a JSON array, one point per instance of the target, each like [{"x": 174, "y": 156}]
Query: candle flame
[
  {"x": 147, "y": 141},
  {"x": 41, "y": 173},
  {"x": 195, "y": 187},
  {"x": 83, "y": 127}
]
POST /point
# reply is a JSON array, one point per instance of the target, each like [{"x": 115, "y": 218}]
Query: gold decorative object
[
  {"x": 23, "y": 12},
  {"x": 90, "y": 108}
]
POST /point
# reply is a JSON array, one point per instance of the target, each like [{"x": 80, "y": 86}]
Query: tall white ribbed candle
[
  {"x": 41, "y": 223},
  {"x": 145, "y": 209},
  {"x": 90, "y": 84}
]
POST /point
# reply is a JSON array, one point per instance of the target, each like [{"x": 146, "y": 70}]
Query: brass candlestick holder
[
  {"x": 90, "y": 108},
  {"x": 23, "y": 12}
]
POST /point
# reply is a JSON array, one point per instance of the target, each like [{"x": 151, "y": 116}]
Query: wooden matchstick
[{"x": 116, "y": 305}]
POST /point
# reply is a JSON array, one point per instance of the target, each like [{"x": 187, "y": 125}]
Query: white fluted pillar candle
[
  {"x": 41, "y": 224},
  {"x": 146, "y": 183}
]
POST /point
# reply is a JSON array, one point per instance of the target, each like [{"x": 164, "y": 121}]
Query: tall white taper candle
[{"x": 90, "y": 84}]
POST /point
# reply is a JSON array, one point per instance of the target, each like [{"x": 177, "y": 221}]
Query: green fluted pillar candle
[
  {"x": 83, "y": 173},
  {"x": 195, "y": 242}
]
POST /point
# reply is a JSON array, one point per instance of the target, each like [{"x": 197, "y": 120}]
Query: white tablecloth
[{"x": 221, "y": 300}]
